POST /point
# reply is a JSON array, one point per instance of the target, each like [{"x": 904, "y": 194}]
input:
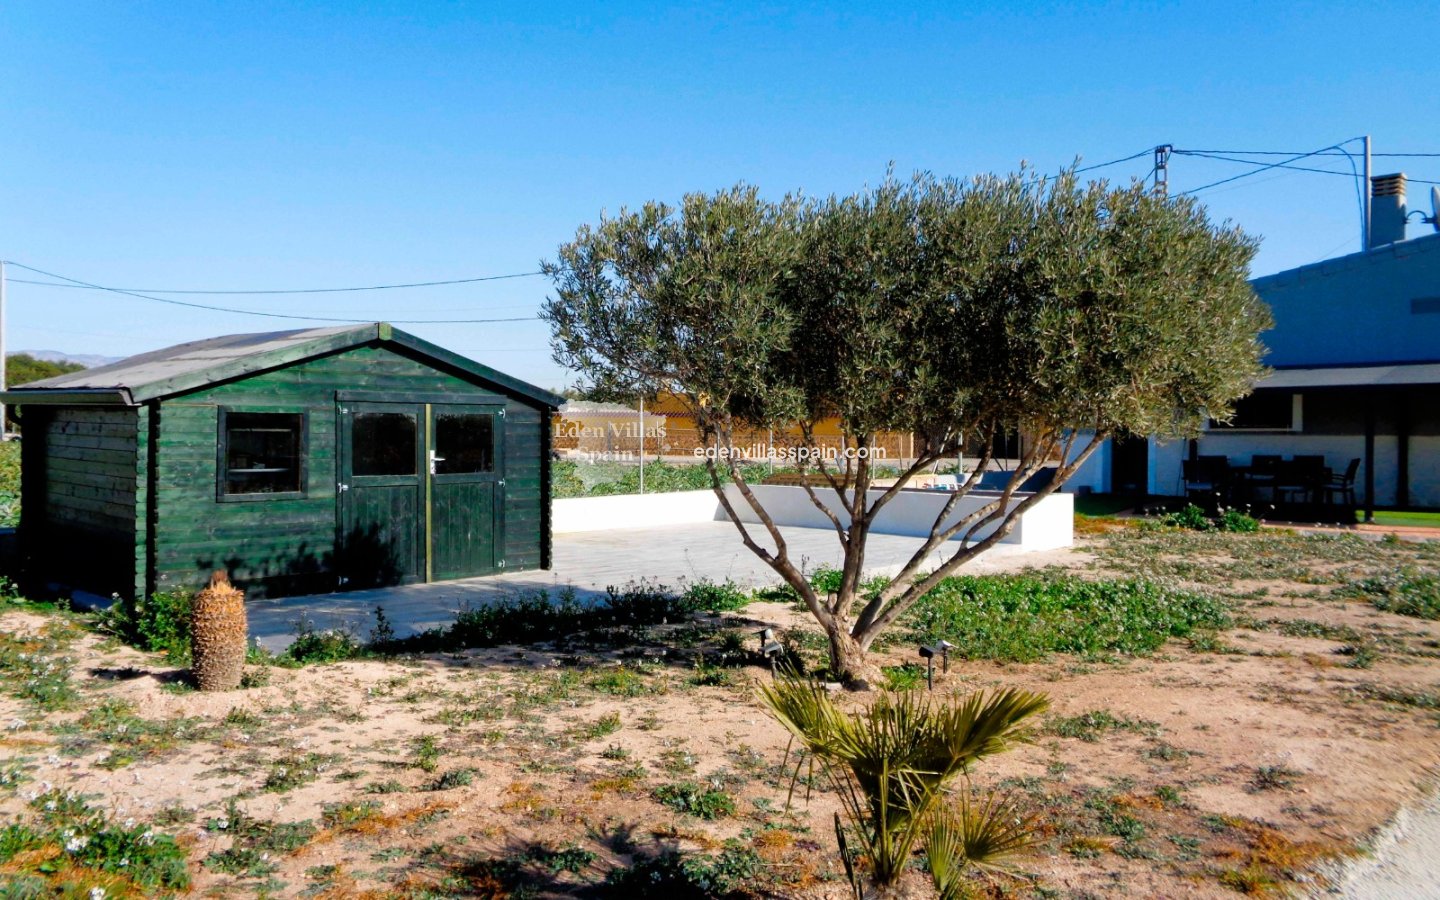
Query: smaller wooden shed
[{"x": 301, "y": 461}]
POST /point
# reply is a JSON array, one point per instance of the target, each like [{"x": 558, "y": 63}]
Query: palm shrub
[{"x": 893, "y": 763}]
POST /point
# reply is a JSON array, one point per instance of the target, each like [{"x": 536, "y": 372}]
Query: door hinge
[
  {"x": 501, "y": 413},
  {"x": 342, "y": 487},
  {"x": 344, "y": 410},
  {"x": 344, "y": 580},
  {"x": 501, "y": 564},
  {"x": 501, "y": 482}
]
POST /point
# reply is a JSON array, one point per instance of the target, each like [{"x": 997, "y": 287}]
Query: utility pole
[
  {"x": 1365, "y": 190},
  {"x": 1162, "y": 169}
]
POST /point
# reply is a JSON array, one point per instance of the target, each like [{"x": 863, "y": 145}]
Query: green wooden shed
[{"x": 301, "y": 461}]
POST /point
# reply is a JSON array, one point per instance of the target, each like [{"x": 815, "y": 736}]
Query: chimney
[{"x": 1387, "y": 210}]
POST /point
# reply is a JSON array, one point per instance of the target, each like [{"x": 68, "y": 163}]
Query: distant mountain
[{"x": 88, "y": 360}]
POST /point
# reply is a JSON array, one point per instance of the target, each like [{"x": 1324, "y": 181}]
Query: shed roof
[{"x": 185, "y": 367}]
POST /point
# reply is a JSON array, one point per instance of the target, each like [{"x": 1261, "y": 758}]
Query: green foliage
[
  {"x": 1091, "y": 725},
  {"x": 714, "y": 597},
  {"x": 683, "y": 876},
  {"x": 455, "y": 778},
  {"x": 36, "y": 668},
  {"x": 984, "y": 834},
  {"x": 348, "y": 814},
  {"x": 22, "y": 368},
  {"x": 327, "y": 646},
  {"x": 1191, "y": 517},
  {"x": 696, "y": 799},
  {"x": 138, "y": 860},
  {"x": 1024, "y": 617},
  {"x": 253, "y": 841},
  {"x": 1237, "y": 522},
  {"x": 159, "y": 623},
  {"x": 293, "y": 770},
  {"x": 891, "y": 763},
  {"x": 566, "y": 859},
  {"x": 1194, "y": 518},
  {"x": 538, "y": 616},
  {"x": 426, "y": 752},
  {"x": 955, "y": 310},
  {"x": 1408, "y": 592},
  {"x": 587, "y": 479},
  {"x": 130, "y": 738},
  {"x": 9, "y": 484},
  {"x": 904, "y": 677}
]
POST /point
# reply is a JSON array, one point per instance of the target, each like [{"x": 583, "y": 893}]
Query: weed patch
[
  {"x": 1407, "y": 593},
  {"x": 1021, "y": 618},
  {"x": 696, "y": 800},
  {"x": 1091, "y": 725}
]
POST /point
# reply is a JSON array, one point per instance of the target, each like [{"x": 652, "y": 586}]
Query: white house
[{"x": 1356, "y": 359}]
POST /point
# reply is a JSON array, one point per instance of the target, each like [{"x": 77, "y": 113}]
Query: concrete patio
[{"x": 673, "y": 555}]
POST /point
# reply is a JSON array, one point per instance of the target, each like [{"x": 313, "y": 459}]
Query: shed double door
[{"x": 421, "y": 491}]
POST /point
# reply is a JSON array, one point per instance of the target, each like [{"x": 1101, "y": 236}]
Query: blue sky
[{"x": 266, "y": 145}]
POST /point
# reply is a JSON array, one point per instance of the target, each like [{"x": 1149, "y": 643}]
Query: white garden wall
[{"x": 1048, "y": 525}]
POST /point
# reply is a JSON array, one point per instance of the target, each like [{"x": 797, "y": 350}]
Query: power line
[
  {"x": 1265, "y": 168},
  {"x": 1115, "y": 162},
  {"x": 251, "y": 312},
  {"x": 336, "y": 290},
  {"x": 1302, "y": 153},
  {"x": 1250, "y": 162}
]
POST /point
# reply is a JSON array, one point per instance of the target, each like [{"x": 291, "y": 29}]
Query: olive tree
[{"x": 957, "y": 311}]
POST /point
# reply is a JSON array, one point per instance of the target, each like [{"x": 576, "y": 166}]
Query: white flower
[
  {"x": 76, "y": 844},
  {"x": 97, "y": 893}
]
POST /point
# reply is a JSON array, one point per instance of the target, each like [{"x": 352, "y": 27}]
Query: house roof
[
  {"x": 185, "y": 367},
  {"x": 1383, "y": 375},
  {"x": 1382, "y": 256}
]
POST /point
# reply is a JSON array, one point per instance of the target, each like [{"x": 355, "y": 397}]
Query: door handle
[{"x": 433, "y": 460}]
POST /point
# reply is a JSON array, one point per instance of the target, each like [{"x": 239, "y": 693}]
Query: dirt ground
[{"x": 1216, "y": 766}]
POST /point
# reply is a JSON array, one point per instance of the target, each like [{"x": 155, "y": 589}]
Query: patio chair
[
  {"x": 1300, "y": 480},
  {"x": 1260, "y": 476},
  {"x": 1204, "y": 479},
  {"x": 1342, "y": 487}
]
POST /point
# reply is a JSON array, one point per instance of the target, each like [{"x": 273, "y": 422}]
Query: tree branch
[{"x": 918, "y": 589}]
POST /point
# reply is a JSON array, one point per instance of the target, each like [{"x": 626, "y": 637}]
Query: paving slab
[{"x": 588, "y": 563}]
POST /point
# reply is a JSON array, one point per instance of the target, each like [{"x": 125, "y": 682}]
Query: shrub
[
  {"x": 696, "y": 800},
  {"x": 1233, "y": 520},
  {"x": 159, "y": 623},
  {"x": 330, "y": 645},
  {"x": 683, "y": 876},
  {"x": 1191, "y": 517},
  {"x": 1023, "y": 617},
  {"x": 707, "y": 596},
  {"x": 893, "y": 763},
  {"x": 538, "y": 616}
]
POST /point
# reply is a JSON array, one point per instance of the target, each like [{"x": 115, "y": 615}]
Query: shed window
[
  {"x": 261, "y": 453},
  {"x": 464, "y": 443},
  {"x": 384, "y": 443}
]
